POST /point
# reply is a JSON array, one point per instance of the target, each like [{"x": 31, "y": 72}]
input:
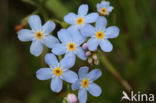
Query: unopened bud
[
  {"x": 95, "y": 57},
  {"x": 88, "y": 53},
  {"x": 19, "y": 27},
  {"x": 84, "y": 46},
  {"x": 71, "y": 98},
  {"x": 90, "y": 60}
]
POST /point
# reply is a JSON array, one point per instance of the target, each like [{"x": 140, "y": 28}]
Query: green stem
[
  {"x": 62, "y": 23},
  {"x": 45, "y": 51},
  {"x": 39, "y": 5},
  {"x": 111, "y": 69}
]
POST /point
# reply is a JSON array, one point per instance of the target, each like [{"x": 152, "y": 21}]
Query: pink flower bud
[
  {"x": 71, "y": 98},
  {"x": 88, "y": 53},
  {"x": 90, "y": 60},
  {"x": 95, "y": 57},
  {"x": 84, "y": 46}
]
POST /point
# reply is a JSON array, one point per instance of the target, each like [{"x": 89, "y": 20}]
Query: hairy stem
[{"x": 111, "y": 69}]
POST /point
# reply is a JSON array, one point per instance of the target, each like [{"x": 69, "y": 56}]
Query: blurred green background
[{"x": 134, "y": 54}]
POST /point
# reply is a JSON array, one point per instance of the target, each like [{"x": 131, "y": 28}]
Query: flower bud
[
  {"x": 84, "y": 46},
  {"x": 90, "y": 60},
  {"x": 95, "y": 57},
  {"x": 19, "y": 27},
  {"x": 88, "y": 53},
  {"x": 71, "y": 98}
]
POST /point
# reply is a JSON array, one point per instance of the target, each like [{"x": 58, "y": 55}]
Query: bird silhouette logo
[{"x": 125, "y": 96}]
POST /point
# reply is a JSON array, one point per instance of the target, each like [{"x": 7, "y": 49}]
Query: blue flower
[
  {"x": 57, "y": 72},
  {"x": 100, "y": 35},
  {"x": 82, "y": 18},
  {"x": 86, "y": 83},
  {"x": 39, "y": 35},
  {"x": 104, "y": 8},
  {"x": 71, "y": 40}
]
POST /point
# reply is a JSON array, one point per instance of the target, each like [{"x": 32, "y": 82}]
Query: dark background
[{"x": 134, "y": 54}]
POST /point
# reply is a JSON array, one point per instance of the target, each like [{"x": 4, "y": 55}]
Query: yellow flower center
[
  {"x": 57, "y": 71},
  {"x": 85, "y": 83},
  {"x": 99, "y": 35},
  {"x": 71, "y": 46},
  {"x": 103, "y": 11},
  {"x": 39, "y": 35},
  {"x": 80, "y": 21}
]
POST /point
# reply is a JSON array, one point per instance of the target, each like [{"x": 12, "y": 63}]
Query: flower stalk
[{"x": 111, "y": 69}]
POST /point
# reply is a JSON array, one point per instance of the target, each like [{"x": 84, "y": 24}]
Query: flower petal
[
  {"x": 112, "y": 32},
  {"x": 78, "y": 38},
  {"x": 83, "y": 71},
  {"x": 101, "y": 22},
  {"x": 72, "y": 60},
  {"x": 50, "y": 41},
  {"x": 105, "y": 3},
  {"x": 98, "y": 7},
  {"x": 36, "y": 48},
  {"x": 69, "y": 76},
  {"x": 83, "y": 10},
  {"x": 70, "y": 18},
  {"x": 48, "y": 27},
  {"x": 59, "y": 49},
  {"x": 81, "y": 53},
  {"x": 110, "y": 8},
  {"x": 35, "y": 22},
  {"x": 88, "y": 30},
  {"x": 91, "y": 18},
  {"x": 94, "y": 74},
  {"x": 106, "y": 46},
  {"x": 51, "y": 60},
  {"x": 68, "y": 61},
  {"x": 25, "y": 35},
  {"x": 56, "y": 84},
  {"x": 64, "y": 36},
  {"x": 94, "y": 89},
  {"x": 82, "y": 95},
  {"x": 76, "y": 85},
  {"x": 92, "y": 44},
  {"x": 44, "y": 74}
]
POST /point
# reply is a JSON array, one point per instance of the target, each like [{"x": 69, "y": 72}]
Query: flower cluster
[{"x": 80, "y": 39}]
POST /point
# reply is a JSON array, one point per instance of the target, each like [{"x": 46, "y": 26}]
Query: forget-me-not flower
[
  {"x": 39, "y": 35},
  {"x": 104, "y": 8},
  {"x": 86, "y": 83},
  {"x": 71, "y": 40},
  {"x": 57, "y": 71},
  {"x": 82, "y": 18},
  {"x": 100, "y": 35}
]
